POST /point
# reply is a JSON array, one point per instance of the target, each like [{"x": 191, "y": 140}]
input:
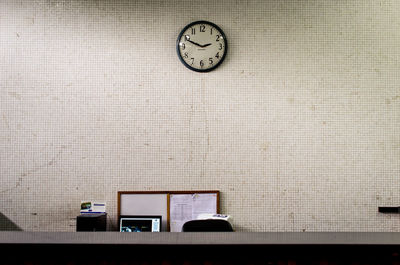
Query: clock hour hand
[{"x": 205, "y": 45}]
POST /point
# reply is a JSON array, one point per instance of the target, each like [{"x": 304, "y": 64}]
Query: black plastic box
[{"x": 91, "y": 222}]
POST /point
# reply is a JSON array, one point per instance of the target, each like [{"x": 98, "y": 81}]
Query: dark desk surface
[
  {"x": 114, "y": 248},
  {"x": 227, "y": 238}
]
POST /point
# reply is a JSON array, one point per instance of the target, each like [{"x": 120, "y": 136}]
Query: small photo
[{"x": 86, "y": 205}]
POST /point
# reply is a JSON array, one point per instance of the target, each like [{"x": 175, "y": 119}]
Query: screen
[{"x": 140, "y": 224}]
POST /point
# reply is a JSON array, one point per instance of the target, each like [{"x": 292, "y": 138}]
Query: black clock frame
[{"x": 212, "y": 25}]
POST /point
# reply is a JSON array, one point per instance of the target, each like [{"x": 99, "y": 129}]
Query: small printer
[
  {"x": 209, "y": 223},
  {"x": 205, "y": 216}
]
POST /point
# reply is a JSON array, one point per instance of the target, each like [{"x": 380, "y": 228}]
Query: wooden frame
[{"x": 167, "y": 194}]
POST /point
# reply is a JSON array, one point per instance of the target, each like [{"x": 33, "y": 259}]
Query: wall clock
[{"x": 201, "y": 46}]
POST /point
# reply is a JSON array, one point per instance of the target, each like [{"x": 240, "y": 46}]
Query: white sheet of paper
[
  {"x": 204, "y": 203},
  {"x": 180, "y": 211}
]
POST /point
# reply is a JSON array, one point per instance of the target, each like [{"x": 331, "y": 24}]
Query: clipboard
[{"x": 159, "y": 203}]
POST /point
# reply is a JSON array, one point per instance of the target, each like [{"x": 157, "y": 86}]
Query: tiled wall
[{"x": 299, "y": 128}]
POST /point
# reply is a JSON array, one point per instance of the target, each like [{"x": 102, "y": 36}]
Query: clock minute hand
[{"x": 195, "y": 43}]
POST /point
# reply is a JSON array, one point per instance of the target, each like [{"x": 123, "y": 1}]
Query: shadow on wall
[{"x": 8, "y": 225}]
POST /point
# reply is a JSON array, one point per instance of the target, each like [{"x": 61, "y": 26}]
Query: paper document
[
  {"x": 204, "y": 203},
  {"x": 186, "y": 207},
  {"x": 180, "y": 211}
]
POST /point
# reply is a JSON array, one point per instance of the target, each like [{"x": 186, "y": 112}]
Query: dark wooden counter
[
  {"x": 198, "y": 248},
  {"x": 223, "y": 238}
]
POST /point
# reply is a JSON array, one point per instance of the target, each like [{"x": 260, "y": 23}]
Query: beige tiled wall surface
[{"x": 299, "y": 128}]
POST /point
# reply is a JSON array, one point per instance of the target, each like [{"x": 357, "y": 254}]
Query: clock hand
[
  {"x": 205, "y": 45},
  {"x": 195, "y": 43}
]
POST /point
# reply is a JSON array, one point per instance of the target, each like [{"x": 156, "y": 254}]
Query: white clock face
[{"x": 201, "y": 46}]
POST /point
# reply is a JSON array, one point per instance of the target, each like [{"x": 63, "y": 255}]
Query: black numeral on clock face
[
  {"x": 193, "y": 31},
  {"x": 202, "y": 28}
]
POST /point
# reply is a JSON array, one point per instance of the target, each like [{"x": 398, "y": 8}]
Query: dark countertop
[{"x": 223, "y": 238}]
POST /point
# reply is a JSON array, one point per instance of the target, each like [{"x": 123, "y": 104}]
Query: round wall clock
[{"x": 201, "y": 46}]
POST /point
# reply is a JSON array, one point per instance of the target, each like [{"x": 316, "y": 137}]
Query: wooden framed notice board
[{"x": 174, "y": 207}]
